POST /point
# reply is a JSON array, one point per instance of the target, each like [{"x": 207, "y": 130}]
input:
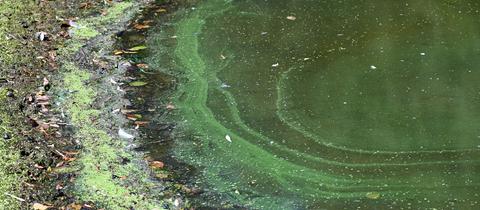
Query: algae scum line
[
  {"x": 307, "y": 104},
  {"x": 241, "y": 105}
]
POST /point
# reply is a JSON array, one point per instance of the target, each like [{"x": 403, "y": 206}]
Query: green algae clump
[
  {"x": 103, "y": 175},
  {"x": 9, "y": 157}
]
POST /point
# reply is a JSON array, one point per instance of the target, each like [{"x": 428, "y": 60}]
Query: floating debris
[
  {"x": 225, "y": 85},
  {"x": 275, "y": 65},
  {"x": 227, "y": 137},
  {"x": 42, "y": 36},
  {"x": 373, "y": 195},
  {"x": 137, "y": 48},
  {"x": 291, "y": 17},
  {"x": 124, "y": 135},
  {"x": 138, "y": 83},
  {"x": 373, "y": 67}
]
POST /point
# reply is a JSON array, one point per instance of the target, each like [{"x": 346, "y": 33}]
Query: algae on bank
[
  {"x": 105, "y": 178},
  {"x": 12, "y": 13},
  {"x": 8, "y": 157}
]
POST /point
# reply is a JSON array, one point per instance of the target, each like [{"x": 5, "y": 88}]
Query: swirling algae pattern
[{"x": 260, "y": 171}]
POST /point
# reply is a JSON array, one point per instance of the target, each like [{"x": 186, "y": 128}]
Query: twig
[{"x": 18, "y": 198}]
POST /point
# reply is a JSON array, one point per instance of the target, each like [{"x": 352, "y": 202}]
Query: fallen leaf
[
  {"x": 140, "y": 26},
  {"x": 373, "y": 195},
  {"x": 142, "y": 65},
  {"x": 126, "y": 111},
  {"x": 157, "y": 164},
  {"x": 137, "y": 48},
  {"x": 137, "y": 83},
  {"x": 118, "y": 52},
  {"x": 141, "y": 123},
  {"x": 39, "y": 206},
  {"x": 74, "y": 206}
]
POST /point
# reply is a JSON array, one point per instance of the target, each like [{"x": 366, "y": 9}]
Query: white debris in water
[
  {"x": 275, "y": 65},
  {"x": 291, "y": 17},
  {"x": 306, "y": 59},
  {"x": 227, "y": 137},
  {"x": 124, "y": 135},
  {"x": 264, "y": 33},
  {"x": 373, "y": 67},
  {"x": 176, "y": 203},
  {"x": 345, "y": 102},
  {"x": 422, "y": 53},
  {"x": 225, "y": 85}
]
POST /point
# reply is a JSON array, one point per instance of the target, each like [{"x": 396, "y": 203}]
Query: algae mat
[{"x": 330, "y": 104}]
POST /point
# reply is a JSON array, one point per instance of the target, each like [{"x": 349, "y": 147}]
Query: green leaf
[
  {"x": 137, "y": 48},
  {"x": 138, "y": 83}
]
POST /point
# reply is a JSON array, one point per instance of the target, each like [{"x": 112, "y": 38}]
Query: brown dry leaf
[
  {"x": 140, "y": 26},
  {"x": 85, "y": 5},
  {"x": 127, "y": 111},
  {"x": 141, "y": 123},
  {"x": 134, "y": 116},
  {"x": 69, "y": 159},
  {"x": 157, "y": 164},
  {"x": 74, "y": 206},
  {"x": 39, "y": 206},
  {"x": 142, "y": 65}
]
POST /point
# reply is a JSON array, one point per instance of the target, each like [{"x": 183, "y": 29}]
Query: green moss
[
  {"x": 88, "y": 28},
  {"x": 85, "y": 32},
  {"x": 102, "y": 155},
  {"x": 8, "y": 158},
  {"x": 12, "y": 12},
  {"x": 101, "y": 158}
]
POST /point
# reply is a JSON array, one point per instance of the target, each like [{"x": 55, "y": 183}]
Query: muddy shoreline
[{"x": 73, "y": 145}]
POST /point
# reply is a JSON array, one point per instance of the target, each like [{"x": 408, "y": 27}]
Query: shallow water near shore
[{"x": 320, "y": 104}]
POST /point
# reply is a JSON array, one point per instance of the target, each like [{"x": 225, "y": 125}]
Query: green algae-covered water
[{"x": 329, "y": 104}]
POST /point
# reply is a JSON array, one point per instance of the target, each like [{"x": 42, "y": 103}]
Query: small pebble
[
  {"x": 7, "y": 136},
  {"x": 10, "y": 94}
]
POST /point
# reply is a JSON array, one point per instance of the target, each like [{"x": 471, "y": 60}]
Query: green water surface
[{"x": 331, "y": 104}]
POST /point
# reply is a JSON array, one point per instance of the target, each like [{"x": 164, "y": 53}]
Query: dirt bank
[{"x": 65, "y": 143}]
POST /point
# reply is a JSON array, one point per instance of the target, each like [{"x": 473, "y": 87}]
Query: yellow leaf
[
  {"x": 373, "y": 195},
  {"x": 39, "y": 206}
]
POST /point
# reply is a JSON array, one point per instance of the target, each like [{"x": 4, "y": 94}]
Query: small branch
[{"x": 18, "y": 198}]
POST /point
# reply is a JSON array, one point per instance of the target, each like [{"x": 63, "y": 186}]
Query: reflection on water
[{"x": 310, "y": 104}]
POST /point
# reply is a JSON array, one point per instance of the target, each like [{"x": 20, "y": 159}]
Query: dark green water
[{"x": 330, "y": 104}]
